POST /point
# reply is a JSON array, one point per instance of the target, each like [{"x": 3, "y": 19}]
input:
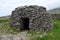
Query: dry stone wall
[
  {"x": 56, "y": 16},
  {"x": 38, "y": 18}
]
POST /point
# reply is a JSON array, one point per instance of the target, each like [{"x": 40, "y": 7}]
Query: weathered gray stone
[
  {"x": 56, "y": 16},
  {"x": 38, "y": 18}
]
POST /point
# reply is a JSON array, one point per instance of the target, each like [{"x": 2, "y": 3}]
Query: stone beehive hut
[{"x": 31, "y": 18}]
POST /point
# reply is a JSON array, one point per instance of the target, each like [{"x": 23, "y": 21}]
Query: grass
[
  {"x": 51, "y": 35},
  {"x": 4, "y": 26}
]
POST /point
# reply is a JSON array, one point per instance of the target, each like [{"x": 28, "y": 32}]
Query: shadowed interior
[{"x": 25, "y": 23}]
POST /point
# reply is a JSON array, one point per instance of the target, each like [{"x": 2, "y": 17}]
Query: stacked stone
[
  {"x": 38, "y": 18},
  {"x": 56, "y": 16},
  {"x": 42, "y": 21}
]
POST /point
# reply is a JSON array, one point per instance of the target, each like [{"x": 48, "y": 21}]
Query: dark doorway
[{"x": 25, "y": 23}]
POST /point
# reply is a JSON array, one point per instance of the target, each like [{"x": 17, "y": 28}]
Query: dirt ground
[{"x": 19, "y": 36}]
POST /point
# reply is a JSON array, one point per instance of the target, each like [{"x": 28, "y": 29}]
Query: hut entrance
[{"x": 25, "y": 23}]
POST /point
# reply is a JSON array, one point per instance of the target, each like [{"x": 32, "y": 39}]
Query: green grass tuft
[{"x": 4, "y": 26}]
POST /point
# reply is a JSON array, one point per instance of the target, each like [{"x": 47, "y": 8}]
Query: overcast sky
[{"x": 6, "y": 6}]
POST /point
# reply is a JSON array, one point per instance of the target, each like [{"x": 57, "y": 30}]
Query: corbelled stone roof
[{"x": 38, "y": 18}]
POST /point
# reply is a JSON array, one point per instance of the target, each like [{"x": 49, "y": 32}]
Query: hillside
[
  {"x": 54, "y": 11},
  {"x": 51, "y": 35}
]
